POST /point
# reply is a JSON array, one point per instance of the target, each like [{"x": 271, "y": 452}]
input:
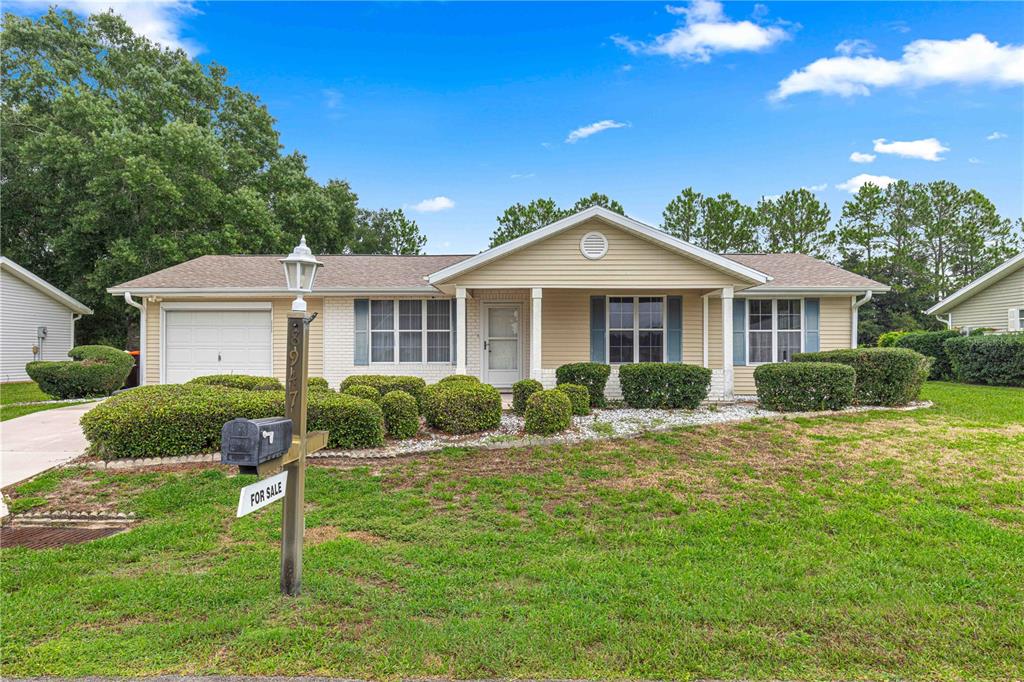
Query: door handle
[
  {"x": 218, "y": 356},
  {"x": 486, "y": 348}
]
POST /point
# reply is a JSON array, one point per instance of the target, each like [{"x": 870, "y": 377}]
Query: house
[
  {"x": 37, "y": 320},
  {"x": 993, "y": 301},
  {"x": 595, "y": 286}
]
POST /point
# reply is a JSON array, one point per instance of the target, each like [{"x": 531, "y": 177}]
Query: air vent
[{"x": 594, "y": 245}]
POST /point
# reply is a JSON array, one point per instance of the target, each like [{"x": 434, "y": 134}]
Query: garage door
[{"x": 199, "y": 342}]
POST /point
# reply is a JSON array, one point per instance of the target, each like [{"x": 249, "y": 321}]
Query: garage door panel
[{"x": 199, "y": 342}]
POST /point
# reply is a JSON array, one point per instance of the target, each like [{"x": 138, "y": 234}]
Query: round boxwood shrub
[
  {"x": 579, "y": 396},
  {"x": 318, "y": 384},
  {"x": 548, "y": 412},
  {"x": 245, "y": 382},
  {"x": 385, "y": 383},
  {"x": 93, "y": 371},
  {"x": 593, "y": 375},
  {"x": 805, "y": 386},
  {"x": 401, "y": 415},
  {"x": 521, "y": 392},
  {"x": 885, "y": 376},
  {"x": 459, "y": 379},
  {"x": 186, "y": 419},
  {"x": 363, "y": 391},
  {"x": 997, "y": 360},
  {"x": 664, "y": 385},
  {"x": 931, "y": 345},
  {"x": 889, "y": 339},
  {"x": 462, "y": 406}
]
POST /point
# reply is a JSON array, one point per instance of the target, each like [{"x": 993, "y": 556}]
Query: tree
[
  {"x": 796, "y": 222},
  {"x": 861, "y": 227},
  {"x": 518, "y": 219},
  {"x": 387, "y": 231},
  {"x": 721, "y": 224},
  {"x": 597, "y": 199},
  {"x": 683, "y": 216}
]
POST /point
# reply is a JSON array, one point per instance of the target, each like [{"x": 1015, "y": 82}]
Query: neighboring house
[
  {"x": 993, "y": 301},
  {"x": 595, "y": 286},
  {"x": 37, "y": 320}
]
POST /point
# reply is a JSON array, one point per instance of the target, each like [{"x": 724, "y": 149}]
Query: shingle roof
[{"x": 796, "y": 271}]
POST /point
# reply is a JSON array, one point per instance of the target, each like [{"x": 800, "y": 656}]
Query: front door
[{"x": 502, "y": 351}]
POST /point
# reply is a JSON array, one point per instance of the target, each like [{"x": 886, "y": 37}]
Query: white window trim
[
  {"x": 636, "y": 327},
  {"x": 395, "y": 332},
  {"x": 775, "y": 326}
]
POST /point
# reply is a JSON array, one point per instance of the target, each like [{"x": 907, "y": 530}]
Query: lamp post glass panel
[{"x": 300, "y": 270}]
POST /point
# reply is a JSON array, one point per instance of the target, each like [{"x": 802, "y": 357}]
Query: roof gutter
[
  {"x": 142, "y": 335},
  {"x": 855, "y": 316}
]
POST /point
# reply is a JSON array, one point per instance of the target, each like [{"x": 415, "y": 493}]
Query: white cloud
[
  {"x": 522, "y": 176},
  {"x": 332, "y": 98},
  {"x": 706, "y": 31},
  {"x": 973, "y": 160},
  {"x": 855, "y": 47},
  {"x": 434, "y": 205},
  {"x": 975, "y": 59},
  {"x": 862, "y": 157},
  {"x": 856, "y": 182},
  {"x": 817, "y": 188},
  {"x": 927, "y": 149},
  {"x": 996, "y": 135},
  {"x": 162, "y": 21},
  {"x": 593, "y": 129}
]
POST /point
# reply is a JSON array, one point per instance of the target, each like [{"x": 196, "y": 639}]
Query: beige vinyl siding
[
  {"x": 989, "y": 307},
  {"x": 630, "y": 262},
  {"x": 693, "y": 328},
  {"x": 153, "y": 349}
]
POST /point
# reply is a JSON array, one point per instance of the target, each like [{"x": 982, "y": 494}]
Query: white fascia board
[
  {"x": 990, "y": 277},
  {"x": 630, "y": 225},
  {"x": 37, "y": 282},
  {"x": 810, "y": 291},
  {"x": 263, "y": 291}
]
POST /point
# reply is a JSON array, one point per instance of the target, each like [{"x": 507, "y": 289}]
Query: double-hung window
[
  {"x": 774, "y": 329},
  {"x": 636, "y": 329},
  {"x": 410, "y": 330}
]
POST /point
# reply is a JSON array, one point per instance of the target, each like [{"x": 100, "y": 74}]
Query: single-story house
[
  {"x": 993, "y": 301},
  {"x": 37, "y": 320},
  {"x": 595, "y": 286}
]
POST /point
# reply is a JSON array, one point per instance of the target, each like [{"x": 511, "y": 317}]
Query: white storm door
[
  {"x": 201, "y": 342},
  {"x": 503, "y": 356}
]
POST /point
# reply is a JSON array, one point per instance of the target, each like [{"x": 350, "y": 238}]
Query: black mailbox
[{"x": 250, "y": 442}]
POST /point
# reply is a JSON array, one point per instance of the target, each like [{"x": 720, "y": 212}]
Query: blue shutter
[
  {"x": 674, "y": 337},
  {"x": 598, "y": 352},
  {"x": 812, "y": 314},
  {"x": 739, "y": 331},
  {"x": 361, "y": 354},
  {"x": 455, "y": 326}
]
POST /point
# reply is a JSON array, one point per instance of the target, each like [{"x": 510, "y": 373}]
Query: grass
[
  {"x": 23, "y": 392},
  {"x": 873, "y": 545}
]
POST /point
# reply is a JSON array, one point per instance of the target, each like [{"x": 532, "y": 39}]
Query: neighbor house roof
[
  {"x": 978, "y": 285},
  {"x": 796, "y": 271},
  {"x": 42, "y": 285}
]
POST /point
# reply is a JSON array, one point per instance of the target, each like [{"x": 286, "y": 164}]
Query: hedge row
[
  {"x": 384, "y": 384},
  {"x": 664, "y": 385},
  {"x": 932, "y": 345},
  {"x": 884, "y": 376},
  {"x": 185, "y": 419},
  {"x": 92, "y": 372},
  {"x": 805, "y": 386},
  {"x": 245, "y": 382},
  {"x": 997, "y": 360}
]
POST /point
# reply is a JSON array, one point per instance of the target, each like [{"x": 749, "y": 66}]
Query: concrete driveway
[{"x": 31, "y": 444}]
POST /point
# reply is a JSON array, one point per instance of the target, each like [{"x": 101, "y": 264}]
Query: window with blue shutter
[
  {"x": 598, "y": 352},
  {"x": 739, "y": 331},
  {"x": 361, "y": 342},
  {"x": 812, "y": 315},
  {"x": 674, "y": 351}
]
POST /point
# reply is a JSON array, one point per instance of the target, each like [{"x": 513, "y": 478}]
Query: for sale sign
[{"x": 260, "y": 494}]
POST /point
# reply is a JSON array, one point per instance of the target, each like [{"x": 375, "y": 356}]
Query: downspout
[
  {"x": 74, "y": 318},
  {"x": 948, "y": 321},
  {"x": 142, "y": 335},
  {"x": 855, "y": 321}
]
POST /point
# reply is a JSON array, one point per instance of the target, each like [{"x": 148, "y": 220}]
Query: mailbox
[{"x": 250, "y": 442}]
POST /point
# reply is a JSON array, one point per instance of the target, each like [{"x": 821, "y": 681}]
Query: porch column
[
  {"x": 727, "y": 374},
  {"x": 460, "y": 330},
  {"x": 535, "y": 333}
]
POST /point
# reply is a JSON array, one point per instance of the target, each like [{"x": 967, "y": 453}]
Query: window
[
  {"x": 774, "y": 329},
  {"x": 418, "y": 325},
  {"x": 636, "y": 329}
]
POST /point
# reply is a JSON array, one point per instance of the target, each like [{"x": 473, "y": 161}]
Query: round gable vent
[{"x": 594, "y": 245}]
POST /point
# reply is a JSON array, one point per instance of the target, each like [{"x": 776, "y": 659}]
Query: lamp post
[{"x": 300, "y": 268}]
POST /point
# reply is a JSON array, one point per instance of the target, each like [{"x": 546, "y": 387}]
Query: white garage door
[{"x": 200, "y": 342}]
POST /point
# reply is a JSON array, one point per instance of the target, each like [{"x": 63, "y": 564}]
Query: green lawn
[
  {"x": 876, "y": 545},
  {"x": 23, "y": 392}
]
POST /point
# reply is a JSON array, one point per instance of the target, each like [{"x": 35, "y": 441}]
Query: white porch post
[
  {"x": 704, "y": 320},
  {"x": 727, "y": 373},
  {"x": 460, "y": 330},
  {"x": 535, "y": 333}
]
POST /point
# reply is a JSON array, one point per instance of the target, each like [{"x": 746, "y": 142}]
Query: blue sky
[{"x": 473, "y": 105}]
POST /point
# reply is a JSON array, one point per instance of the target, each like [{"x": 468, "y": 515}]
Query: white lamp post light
[{"x": 300, "y": 270}]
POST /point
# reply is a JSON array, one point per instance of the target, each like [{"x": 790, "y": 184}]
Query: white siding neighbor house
[
  {"x": 993, "y": 301},
  {"x": 595, "y": 286},
  {"x": 37, "y": 321}
]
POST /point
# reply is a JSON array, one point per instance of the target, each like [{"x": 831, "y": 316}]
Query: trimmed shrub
[
  {"x": 521, "y": 392},
  {"x": 365, "y": 392},
  {"x": 245, "y": 382},
  {"x": 185, "y": 419},
  {"x": 401, "y": 414},
  {"x": 931, "y": 344},
  {"x": 664, "y": 385},
  {"x": 462, "y": 406},
  {"x": 459, "y": 379},
  {"x": 997, "y": 360},
  {"x": 593, "y": 375},
  {"x": 885, "y": 376},
  {"x": 805, "y": 386},
  {"x": 579, "y": 396},
  {"x": 318, "y": 384},
  {"x": 548, "y": 412},
  {"x": 889, "y": 339},
  {"x": 93, "y": 371},
  {"x": 384, "y": 384}
]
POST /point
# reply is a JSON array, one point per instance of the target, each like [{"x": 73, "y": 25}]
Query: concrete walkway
[{"x": 31, "y": 444}]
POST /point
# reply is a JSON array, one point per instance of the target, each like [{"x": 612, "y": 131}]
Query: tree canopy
[{"x": 519, "y": 219}]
